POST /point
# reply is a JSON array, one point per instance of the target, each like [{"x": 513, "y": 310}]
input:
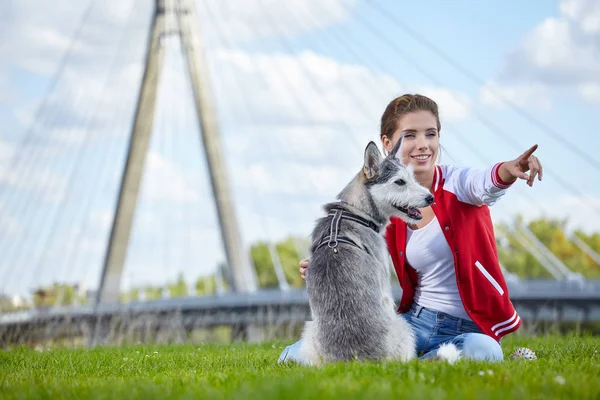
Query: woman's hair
[{"x": 403, "y": 105}]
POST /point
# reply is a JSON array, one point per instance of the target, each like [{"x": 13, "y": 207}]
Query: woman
[{"x": 453, "y": 289}]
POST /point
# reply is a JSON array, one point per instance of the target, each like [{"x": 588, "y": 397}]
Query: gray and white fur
[{"x": 349, "y": 286}]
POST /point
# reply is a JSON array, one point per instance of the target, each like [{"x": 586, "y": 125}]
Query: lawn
[{"x": 567, "y": 367}]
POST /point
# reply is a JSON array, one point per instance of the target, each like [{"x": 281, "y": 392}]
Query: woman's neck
[{"x": 425, "y": 178}]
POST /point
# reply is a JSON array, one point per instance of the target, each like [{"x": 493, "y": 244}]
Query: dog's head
[{"x": 392, "y": 185}]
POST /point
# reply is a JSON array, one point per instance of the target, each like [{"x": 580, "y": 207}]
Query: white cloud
[
  {"x": 298, "y": 179},
  {"x": 40, "y": 183},
  {"x": 102, "y": 219},
  {"x": 590, "y": 91},
  {"x": 562, "y": 50},
  {"x": 41, "y": 32},
  {"x": 7, "y": 93},
  {"x": 97, "y": 86},
  {"x": 586, "y": 13},
  {"x": 452, "y": 105},
  {"x": 525, "y": 95},
  {"x": 246, "y": 20},
  {"x": 6, "y": 151},
  {"x": 282, "y": 87},
  {"x": 164, "y": 181},
  {"x": 274, "y": 85},
  {"x": 11, "y": 226}
]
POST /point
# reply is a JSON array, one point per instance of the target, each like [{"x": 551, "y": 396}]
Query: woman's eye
[{"x": 400, "y": 182}]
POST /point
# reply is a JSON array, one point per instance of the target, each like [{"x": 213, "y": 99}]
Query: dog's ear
[
  {"x": 394, "y": 151},
  {"x": 372, "y": 161}
]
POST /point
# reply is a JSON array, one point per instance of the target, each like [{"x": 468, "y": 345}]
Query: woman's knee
[
  {"x": 291, "y": 353},
  {"x": 477, "y": 346}
]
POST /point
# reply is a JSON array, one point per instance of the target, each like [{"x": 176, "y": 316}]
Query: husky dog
[{"x": 348, "y": 281}]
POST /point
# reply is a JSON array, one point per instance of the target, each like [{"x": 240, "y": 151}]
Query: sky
[{"x": 299, "y": 88}]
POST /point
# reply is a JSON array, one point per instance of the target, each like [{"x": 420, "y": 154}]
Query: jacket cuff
[{"x": 496, "y": 180}]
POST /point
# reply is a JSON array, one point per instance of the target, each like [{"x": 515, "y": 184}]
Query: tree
[
  {"x": 288, "y": 256},
  {"x": 515, "y": 257},
  {"x": 179, "y": 288},
  {"x": 206, "y": 285}
]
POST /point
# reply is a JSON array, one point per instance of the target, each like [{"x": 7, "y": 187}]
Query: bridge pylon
[{"x": 243, "y": 280}]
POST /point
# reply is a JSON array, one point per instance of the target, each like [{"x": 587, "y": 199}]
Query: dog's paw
[{"x": 448, "y": 352}]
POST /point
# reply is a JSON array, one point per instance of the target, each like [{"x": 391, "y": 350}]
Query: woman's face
[{"x": 420, "y": 140}]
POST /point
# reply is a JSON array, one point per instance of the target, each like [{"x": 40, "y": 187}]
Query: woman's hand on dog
[{"x": 303, "y": 266}]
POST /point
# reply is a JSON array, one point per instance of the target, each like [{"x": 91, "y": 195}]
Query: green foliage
[
  {"x": 259, "y": 253},
  {"x": 58, "y": 294},
  {"x": 566, "y": 368},
  {"x": 206, "y": 285},
  {"x": 179, "y": 288},
  {"x": 515, "y": 258},
  {"x": 287, "y": 251},
  {"x": 592, "y": 240}
]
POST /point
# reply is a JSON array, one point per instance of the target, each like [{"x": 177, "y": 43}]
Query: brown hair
[{"x": 403, "y": 105}]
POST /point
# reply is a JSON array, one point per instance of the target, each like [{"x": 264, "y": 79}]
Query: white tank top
[{"x": 427, "y": 251}]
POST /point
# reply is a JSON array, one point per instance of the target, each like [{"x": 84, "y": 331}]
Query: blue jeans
[{"x": 432, "y": 329}]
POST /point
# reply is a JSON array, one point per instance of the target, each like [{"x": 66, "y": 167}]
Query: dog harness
[{"x": 334, "y": 238}]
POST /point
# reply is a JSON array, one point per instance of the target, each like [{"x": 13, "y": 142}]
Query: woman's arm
[{"x": 486, "y": 186}]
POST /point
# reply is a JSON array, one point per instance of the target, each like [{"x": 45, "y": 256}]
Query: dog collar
[
  {"x": 356, "y": 218},
  {"x": 334, "y": 238}
]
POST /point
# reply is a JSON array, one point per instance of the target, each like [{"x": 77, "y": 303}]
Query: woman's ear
[{"x": 386, "y": 145}]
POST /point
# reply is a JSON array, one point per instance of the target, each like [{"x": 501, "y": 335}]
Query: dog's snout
[{"x": 429, "y": 199}]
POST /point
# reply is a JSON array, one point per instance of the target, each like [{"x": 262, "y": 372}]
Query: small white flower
[
  {"x": 481, "y": 373},
  {"x": 156, "y": 352},
  {"x": 490, "y": 372},
  {"x": 125, "y": 358},
  {"x": 560, "y": 380}
]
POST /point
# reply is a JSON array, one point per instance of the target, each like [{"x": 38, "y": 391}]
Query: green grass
[{"x": 567, "y": 367}]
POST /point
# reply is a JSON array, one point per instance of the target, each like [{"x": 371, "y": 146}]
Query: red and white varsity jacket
[{"x": 461, "y": 199}]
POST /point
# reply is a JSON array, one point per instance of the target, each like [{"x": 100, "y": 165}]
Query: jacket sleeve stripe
[
  {"x": 508, "y": 328},
  {"x": 508, "y": 321},
  {"x": 437, "y": 177},
  {"x": 496, "y": 180}
]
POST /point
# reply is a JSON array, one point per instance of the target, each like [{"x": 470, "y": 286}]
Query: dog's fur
[{"x": 349, "y": 291}]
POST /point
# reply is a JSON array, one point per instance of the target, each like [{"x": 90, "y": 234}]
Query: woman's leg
[
  {"x": 291, "y": 353},
  {"x": 473, "y": 346},
  {"x": 477, "y": 346},
  {"x": 422, "y": 326}
]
